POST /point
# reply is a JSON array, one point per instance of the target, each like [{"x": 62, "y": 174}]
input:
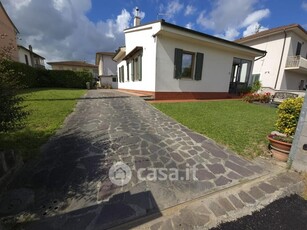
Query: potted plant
[{"x": 287, "y": 118}]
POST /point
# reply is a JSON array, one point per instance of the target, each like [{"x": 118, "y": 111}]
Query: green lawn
[
  {"x": 241, "y": 126},
  {"x": 48, "y": 109}
]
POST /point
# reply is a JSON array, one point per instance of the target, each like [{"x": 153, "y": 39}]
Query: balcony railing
[{"x": 296, "y": 62}]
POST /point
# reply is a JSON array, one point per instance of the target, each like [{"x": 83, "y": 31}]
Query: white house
[
  {"x": 107, "y": 68},
  {"x": 173, "y": 62},
  {"x": 285, "y": 65},
  {"x": 27, "y": 56}
]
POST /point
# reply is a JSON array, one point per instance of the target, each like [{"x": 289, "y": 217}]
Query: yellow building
[{"x": 74, "y": 66}]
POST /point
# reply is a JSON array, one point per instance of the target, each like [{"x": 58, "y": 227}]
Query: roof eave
[{"x": 214, "y": 39}]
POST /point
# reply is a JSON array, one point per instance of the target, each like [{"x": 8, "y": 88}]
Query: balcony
[{"x": 296, "y": 64}]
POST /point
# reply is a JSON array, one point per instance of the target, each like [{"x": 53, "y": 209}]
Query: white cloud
[
  {"x": 190, "y": 25},
  {"x": 189, "y": 10},
  {"x": 255, "y": 16},
  {"x": 122, "y": 21},
  {"x": 226, "y": 20},
  {"x": 230, "y": 34},
  {"x": 304, "y": 5},
  {"x": 20, "y": 3},
  {"x": 253, "y": 28},
  {"x": 172, "y": 8},
  {"x": 63, "y": 31}
]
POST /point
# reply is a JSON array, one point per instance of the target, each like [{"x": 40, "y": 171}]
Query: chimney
[
  {"x": 31, "y": 56},
  {"x": 137, "y": 19}
]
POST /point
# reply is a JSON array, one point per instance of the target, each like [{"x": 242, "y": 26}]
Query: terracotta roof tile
[{"x": 73, "y": 63}]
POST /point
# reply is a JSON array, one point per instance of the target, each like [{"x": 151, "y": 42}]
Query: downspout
[
  {"x": 261, "y": 57},
  {"x": 282, "y": 54}
]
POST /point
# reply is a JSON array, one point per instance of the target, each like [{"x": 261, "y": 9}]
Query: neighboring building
[
  {"x": 107, "y": 68},
  {"x": 8, "y": 33},
  {"x": 74, "y": 66},
  {"x": 27, "y": 56},
  {"x": 285, "y": 65},
  {"x": 173, "y": 62}
]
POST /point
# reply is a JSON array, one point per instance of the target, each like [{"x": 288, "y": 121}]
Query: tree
[{"x": 12, "y": 111}]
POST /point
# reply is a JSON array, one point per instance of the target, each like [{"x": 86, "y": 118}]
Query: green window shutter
[
  {"x": 128, "y": 71},
  {"x": 140, "y": 67},
  {"x": 132, "y": 70},
  {"x": 199, "y": 66},
  {"x": 119, "y": 74},
  {"x": 178, "y": 63},
  {"x": 122, "y": 73}
]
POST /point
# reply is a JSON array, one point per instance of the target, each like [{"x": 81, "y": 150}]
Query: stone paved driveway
[{"x": 108, "y": 126}]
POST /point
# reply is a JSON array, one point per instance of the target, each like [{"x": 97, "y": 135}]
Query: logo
[{"x": 120, "y": 174}]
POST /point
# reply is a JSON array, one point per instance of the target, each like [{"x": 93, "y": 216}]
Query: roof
[
  {"x": 17, "y": 31},
  {"x": 120, "y": 54},
  {"x": 73, "y": 63},
  {"x": 106, "y": 53},
  {"x": 269, "y": 32},
  {"x": 110, "y": 54},
  {"x": 202, "y": 35},
  {"x": 22, "y": 47},
  {"x": 133, "y": 52}
]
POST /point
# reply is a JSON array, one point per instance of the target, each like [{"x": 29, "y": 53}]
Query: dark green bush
[
  {"x": 69, "y": 79},
  {"x": 33, "y": 77},
  {"x": 28, "y": 76},
  {"x": 12, "y": 111}
]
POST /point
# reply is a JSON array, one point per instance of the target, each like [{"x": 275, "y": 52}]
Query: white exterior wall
[
  {"x": 100, "y": 66},
  {"x": 21, "y": 55},
  {"x": 268, "y": 66},
  {"x": 144, "y": 38},
  {"x": 217, "y": 66},
  {"x": 294, "y": 40},
  {"x": 109, "y": 66}
]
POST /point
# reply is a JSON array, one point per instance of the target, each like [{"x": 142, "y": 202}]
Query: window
[
  {"x": 26, "y": 58},
  {"x": 121, "y": 76},
  {"x": 114, "y": 79},
  {"x": 185, "y": 64},
  {"x": 136, "y": 68},
  {"x": 255, "y": 77},
  {"x": 128, "y": 66},
  {"x": 298, "y": 49}
]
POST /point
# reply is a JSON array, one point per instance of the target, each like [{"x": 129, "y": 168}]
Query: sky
[{"x": 76, "y": 29}]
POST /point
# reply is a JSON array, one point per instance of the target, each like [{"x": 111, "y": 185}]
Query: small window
[
  {"x": 184, "y": 63},
  {"x": 187, "y": 65},
  {"x": 26, "y": 59},
  {"x": 298, "y": 49},
  {"x": 114, "y": 79}
]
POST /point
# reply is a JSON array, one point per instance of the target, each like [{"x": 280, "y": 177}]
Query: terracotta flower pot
[{"x": 279, "y": 149}]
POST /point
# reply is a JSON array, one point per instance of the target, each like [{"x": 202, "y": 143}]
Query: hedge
[{"x": 34, "y": 77}]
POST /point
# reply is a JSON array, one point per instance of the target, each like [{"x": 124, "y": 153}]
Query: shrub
[
  {"x": 288, "y": 115},
  {"x": 263, "y": 97},
  {"x": 34, "y": 77},
  {"x": 256, "y": 86},
  {"x": 12, "y": 112},
  {"x": 28, "y": 76}
]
